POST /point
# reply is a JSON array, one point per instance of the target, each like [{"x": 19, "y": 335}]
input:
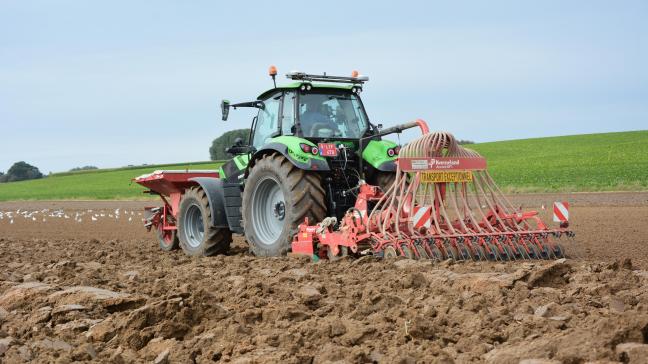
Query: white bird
[
  {"x": 11, "y": 221},
  {"x": 94, "y": 218}
]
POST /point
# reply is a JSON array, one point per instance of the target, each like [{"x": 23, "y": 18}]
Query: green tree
[
  {"x": 464, "y": 142},
  {"x": 84, "y": 168},
  {"x": 21, "y": 171},
  {"x": 217, "y": 149}
]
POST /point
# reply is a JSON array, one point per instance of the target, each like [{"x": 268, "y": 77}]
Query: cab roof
[{"x": 297, "y": 85}]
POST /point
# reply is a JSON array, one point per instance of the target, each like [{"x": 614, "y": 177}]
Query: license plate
[
  {"x": 327, "y": 149},
  {"x": 438, "y": 177}
]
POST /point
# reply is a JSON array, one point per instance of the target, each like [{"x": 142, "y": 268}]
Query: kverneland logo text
[{"x": 445, "y": 163}]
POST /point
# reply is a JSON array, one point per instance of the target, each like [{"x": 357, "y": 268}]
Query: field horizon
[{"x": 599, "y": 162}]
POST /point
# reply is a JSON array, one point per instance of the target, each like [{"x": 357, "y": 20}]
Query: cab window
[
  {"x": 267, "y": 121},
  {"x": 288, "y": 113},
  {"x": 331, "y": 113}
]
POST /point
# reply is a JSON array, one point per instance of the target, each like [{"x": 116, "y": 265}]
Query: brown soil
[{"x": 81, "y": 290}]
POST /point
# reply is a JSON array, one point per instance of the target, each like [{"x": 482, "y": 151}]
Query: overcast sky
[{"x": 114, "y": 83}]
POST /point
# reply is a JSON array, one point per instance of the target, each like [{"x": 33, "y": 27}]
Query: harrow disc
[
  {"x": 464, "y": 253},
  {"x": 436, "y": 252},
  {"x": 390, "y": 252},
  {"x": 420, "y": 249},
  {"x": 451, "y": 251},
  {"x": 534, "y": 251},
  {"x": 407, "y": 252},
  {"x": 508, "y": 252},
  {"x": 559, "y": 252},
  {"x": 344, "y": 251},
  {"x": 544, "y": 251},
  {"x": 492, "y": 253},
  {"x": 521, "y": 250},
  {"x": 478, "y": 252}
]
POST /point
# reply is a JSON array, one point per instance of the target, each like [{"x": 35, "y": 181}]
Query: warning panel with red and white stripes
[
  {"x": 561, "y": 211},
  {"x": 422, "y": 217}
]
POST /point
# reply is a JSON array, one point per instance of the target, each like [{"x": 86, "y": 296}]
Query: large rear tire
[
  {"x": 197, "y": 235},
  {"x": 384, "y": 180},
  {"x": 276, "y": 199}
]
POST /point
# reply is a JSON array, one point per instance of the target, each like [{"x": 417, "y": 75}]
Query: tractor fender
[
  {"x": 375, "y": 154},
  {"x": 213, "y": 188},
  {"x": 311, "y": 165},
  {"x": 389, "y": 166}
]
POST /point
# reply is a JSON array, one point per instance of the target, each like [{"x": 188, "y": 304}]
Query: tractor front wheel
[
  {"x": 276, "y": 199},
  {"x": 197, "y": 235}
]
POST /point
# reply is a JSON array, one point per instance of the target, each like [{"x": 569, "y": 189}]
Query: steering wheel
[{"x": 320, "y": 126}]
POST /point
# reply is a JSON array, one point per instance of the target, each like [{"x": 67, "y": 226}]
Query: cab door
[
  {"x": 267, "y": 123},
  {"x": 288, "y": 113}
]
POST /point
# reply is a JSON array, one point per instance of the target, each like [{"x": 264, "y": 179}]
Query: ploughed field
[{"x": 83, "y": 281}]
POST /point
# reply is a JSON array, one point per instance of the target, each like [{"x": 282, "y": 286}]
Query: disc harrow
[{"x": 442, "y": 205}]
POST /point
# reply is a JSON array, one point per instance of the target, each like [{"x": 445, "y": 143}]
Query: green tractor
[{"x": 309, "y": 148}]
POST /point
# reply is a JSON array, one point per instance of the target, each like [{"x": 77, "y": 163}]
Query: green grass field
[
  {"x": 591, "y": 162},
  {"x": 594, "y": 162},
  {"x": 101, "y": 184}
]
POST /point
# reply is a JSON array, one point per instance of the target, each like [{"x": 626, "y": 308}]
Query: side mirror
[
  {"x": 225, "y": 105},
  {"x": 238, "y": 142}
]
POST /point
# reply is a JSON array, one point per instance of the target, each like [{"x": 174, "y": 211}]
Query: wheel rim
[
  {"x": 268, "y": 211},
  {"x": 194, "y": 228},
  {"x": 166, "y": 236}
]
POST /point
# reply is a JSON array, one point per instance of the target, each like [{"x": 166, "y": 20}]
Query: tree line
[{"x": 20, "y": 171}]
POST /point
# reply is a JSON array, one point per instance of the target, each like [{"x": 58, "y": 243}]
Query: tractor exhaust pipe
[{"x": 394, "y": 129}]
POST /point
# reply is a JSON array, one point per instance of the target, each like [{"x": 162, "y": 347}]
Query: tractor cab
[
  {"x": 312, "y": 107},
  {"x": 313, "y": 112}
]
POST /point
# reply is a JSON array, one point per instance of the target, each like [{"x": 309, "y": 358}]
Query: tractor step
[{"x": 233, "y": 203}]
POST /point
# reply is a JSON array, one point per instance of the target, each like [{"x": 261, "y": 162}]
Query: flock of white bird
[{"x": 78, "y": 216}]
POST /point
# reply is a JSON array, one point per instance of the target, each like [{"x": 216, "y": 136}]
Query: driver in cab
[{"x": 314, "y": 119}]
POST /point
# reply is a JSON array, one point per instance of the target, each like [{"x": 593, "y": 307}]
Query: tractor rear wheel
[
  {"x": 276, "y": 199},
  {"x": 384, "y": 180},
  {"x": 197, "y": 235}
]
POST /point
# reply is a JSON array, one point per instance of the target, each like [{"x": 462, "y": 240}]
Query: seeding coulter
[{"x": 316, "y": 177}]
